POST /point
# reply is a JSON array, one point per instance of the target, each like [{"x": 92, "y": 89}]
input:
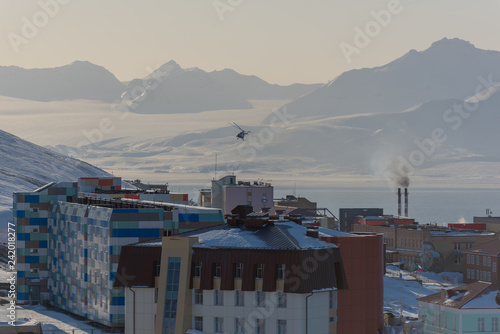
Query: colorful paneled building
[{"x": 70, "y": 244}]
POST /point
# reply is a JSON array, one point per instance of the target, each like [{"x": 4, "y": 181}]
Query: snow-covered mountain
[
  {"x": 25, "y": 166},
  {"x": 171, "y": 89},
  {"x": 78, "y": 80},
  {"x": 449, "y": 68}
]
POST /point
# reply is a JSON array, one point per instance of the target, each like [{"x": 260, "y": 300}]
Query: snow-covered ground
[{"x": 403, "y": 293}]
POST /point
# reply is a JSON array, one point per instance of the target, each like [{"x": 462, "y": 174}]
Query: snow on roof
[
  {"x": 457, "y": 233},
  {"x": 280, "y": 235},
  {"x": 486, "y": 299}
]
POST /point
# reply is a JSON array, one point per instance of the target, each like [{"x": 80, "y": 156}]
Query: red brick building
[
  {"x": 360, "y": 307},
  {"x": 480, "y": 263}
]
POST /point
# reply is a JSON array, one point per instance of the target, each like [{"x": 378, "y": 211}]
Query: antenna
[{"x": 215, "y": 175}]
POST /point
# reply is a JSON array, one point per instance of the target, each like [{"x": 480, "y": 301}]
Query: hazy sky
[{"x": 281, "y": 41}]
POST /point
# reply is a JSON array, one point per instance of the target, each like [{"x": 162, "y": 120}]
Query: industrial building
[{"x": 431, "y": 247}]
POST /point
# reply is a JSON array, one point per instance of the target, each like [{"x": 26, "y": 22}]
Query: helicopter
[{"x": 242, "y": 134}]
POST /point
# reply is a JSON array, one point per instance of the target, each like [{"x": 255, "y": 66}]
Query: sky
[{"x": 281, "y": 41}]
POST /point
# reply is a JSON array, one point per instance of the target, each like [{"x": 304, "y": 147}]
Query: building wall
[
  {"x": 470, "y": 319},
  {"x": 175, "y": 247},
  {"x": 217, "y": 196},
  {"x": 257, "y": 196},
  {"x": 31, "y": 211},
  {"x": 84, "y": 248},
  {"x": 431, "y": 249},
  {"x": 294, "y": 313},
  {"x": 492, "y": 223},
  {"x": 346, "y": 216},
  {"x": 451, "y": 245},
  {"x": 145, "y": 310},
  {"x": 439, "y": 319},
  {"x": 485, "y": 270},
  {"x": 363, "y": 259}
]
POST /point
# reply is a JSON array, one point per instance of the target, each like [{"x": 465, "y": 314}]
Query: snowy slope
[
  {"x": 448, "y": 69},
  {"x": 78, "y": 80},
  {"x": 26, "y": 166}
]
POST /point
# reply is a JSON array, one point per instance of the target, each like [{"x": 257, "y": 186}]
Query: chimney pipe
[
  {"x": 406, "y": 202},
  {"x": 399, "y": 201}
]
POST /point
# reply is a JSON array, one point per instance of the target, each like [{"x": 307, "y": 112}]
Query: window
[
  {"x": 198, "y": 323},
  {"x": 472, "y": 259},
  {"x": 480, "y": 324},
  {"x": 238, "y": 272},
  {"x": 484, "y": 260},
  {"x": 156, "y": 295},
  {"x": 218, "y": 325},
  {"x": 468, "y": 245},
  {"x": 197, "y": 269},
  {"x": 34, "y": 251},
  {"x": 334, "y": 319},
  {"x": 157, "y": 265},
  {"x": 468, "y": 273},
  {"x": 494, "y": 324},
  {"x": 494, "y": 265},
  {"x": 489, "y": 261},
  {"x": 217, "y": 269},
  {"x": 477, "y": 259},
  {"x": 281, "y": 271},
  {"x": 458, "y": 259},
  {"x": 260, "y": 270},
  {"x": 281, "y": 299},
  {"x": 488, "y": 278},
  {"x": 281, "y": 327},
  {"x": 333, "y": 300},
  {"x": 239, "y": 324},
  {"x": 472, "y": 274},
  {"x": 260, "y": 297},
  {"x": 468, "y": 258},
  {"x": 218, "y": 297},
  {"x": 260, "y": 326},
  {"x": 239, "y": 298},
  {"x": 198, "y": 297},
  {"x": 457, "y": 246}
]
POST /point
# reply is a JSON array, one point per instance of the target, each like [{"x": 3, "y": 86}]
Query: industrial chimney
[
  {"x": 406, "y": 202},
  {"x": 399, "y": 201}
]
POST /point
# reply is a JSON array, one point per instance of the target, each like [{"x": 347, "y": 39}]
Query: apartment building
[
  {"x": 276, "y": 278},
  {"x": 480, "y": 263},
  {"x": 69, "y": 244}
]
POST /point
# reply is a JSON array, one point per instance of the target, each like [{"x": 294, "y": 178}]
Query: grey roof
[{"x": 277, "y": 236}]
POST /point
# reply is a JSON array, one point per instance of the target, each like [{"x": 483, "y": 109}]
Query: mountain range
[
  {"x": 439, "y": 105},
  {"x": 449, "y": 68},
  {"x": 168, "y": 89}
]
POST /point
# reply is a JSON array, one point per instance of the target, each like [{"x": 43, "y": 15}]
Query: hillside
[{"x": 26, "y": 166}]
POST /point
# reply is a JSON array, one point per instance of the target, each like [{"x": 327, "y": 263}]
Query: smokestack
[
  {"x": 399, "y": 201},
  {"x": 406, "y": 202}
]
